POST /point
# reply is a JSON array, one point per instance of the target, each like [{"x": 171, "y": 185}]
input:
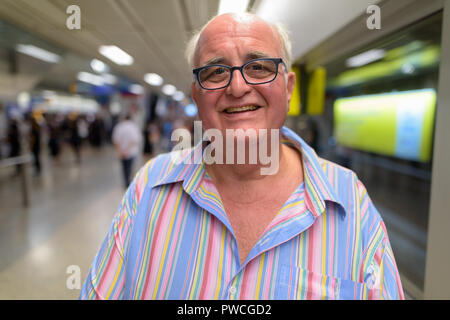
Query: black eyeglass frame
[{"x": 197, "y": 71}]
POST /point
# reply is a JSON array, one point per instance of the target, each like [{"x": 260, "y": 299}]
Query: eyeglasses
[{"x": 257, "y": 71}]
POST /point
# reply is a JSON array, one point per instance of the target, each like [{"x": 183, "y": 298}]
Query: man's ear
[{"x": 290, "y": 86}]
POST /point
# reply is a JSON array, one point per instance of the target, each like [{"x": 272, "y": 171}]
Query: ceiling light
[
  {"x": 98, "y": 66},
  {"x": 109, "y": 78},
  {"x": 236, "y": 6},
  {"x": 153, "y": 79},
  {"x": 38, "y": 53},
  {"x": 116, "y": 55},
  {"x": 90, "y": 78},
  {"x": 190, "y": 110},
  {"x": 169, "y": 89},
  {"x": 365, "y": 58},
  {"x": 178, "y": 96},
  {"x": 136, "y": 89}
]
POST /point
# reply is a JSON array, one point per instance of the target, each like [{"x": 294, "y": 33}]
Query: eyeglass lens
[{"x": 255, "y": 72}]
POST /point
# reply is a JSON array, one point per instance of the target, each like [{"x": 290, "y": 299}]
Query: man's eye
[
  {"x": 219, "y": 71},
  {"x": 257, "y": 67}
]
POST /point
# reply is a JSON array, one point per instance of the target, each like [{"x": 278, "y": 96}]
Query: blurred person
[
  {"x": 126, "y": 138},
  {"x": 154, "y": 138},
  {"x": 3, "y": 131},
  {"x": 207, "y": 230},
  {"x": 74, "y": 136},
  {"x": 14, "y": 140},
  {"x": 167, "y": 129},
  {"x": 35, "y": 144},
  {"x": 15, "y": 147},
  {"x": 54, "y": 134},
  {"x": 148, "y": 146},
  {"x": 96, "y": 132},
  {"x": 83, "y": 131}
]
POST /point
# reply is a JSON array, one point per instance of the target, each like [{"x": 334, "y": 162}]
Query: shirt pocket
[{"x": 299, "y": 283}]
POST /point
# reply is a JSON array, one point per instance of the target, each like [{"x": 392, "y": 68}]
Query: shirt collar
[
  {"x": 184, "y": 165},
  {"x": 187, "y": 166},
  {"x": 318, "y": 188}
]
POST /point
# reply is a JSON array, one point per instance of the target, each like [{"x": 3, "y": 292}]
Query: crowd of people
[
  {"x": 53, "y": 132},
  {"x": 37, "y": 133}
]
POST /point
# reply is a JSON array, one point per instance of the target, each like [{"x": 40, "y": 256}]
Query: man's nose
[{"x": 238, "y": 86}]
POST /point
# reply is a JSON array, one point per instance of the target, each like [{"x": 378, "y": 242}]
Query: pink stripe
[
  {"x": 157, "y": 245},
  {"x": 270, "y": 256},
  {"x": 331, "y": 234},
  {"x": 191, "y": 255},
  {"x": 176, "y": 232},
  {"x": 204, "y": 291}
]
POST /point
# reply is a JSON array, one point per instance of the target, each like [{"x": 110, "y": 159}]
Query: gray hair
[{"x": 280, "y": 29}]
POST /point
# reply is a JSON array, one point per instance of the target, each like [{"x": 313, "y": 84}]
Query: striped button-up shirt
[{"x": 171, "y": 239}]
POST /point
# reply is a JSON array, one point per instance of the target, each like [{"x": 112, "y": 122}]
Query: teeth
[{"x": 241, "y": 109}]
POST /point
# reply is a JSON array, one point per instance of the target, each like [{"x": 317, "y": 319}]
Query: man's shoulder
[
  {"x": 328, "y": 165},
  {"x": 343, "y": 180},
  {"x": 119, "y": 127},
  {"x": 160, "y": 166}
]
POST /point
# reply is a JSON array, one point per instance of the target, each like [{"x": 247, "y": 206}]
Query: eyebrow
[
  {"x": 250, "y": 56},
  {"x": 256, "y": 55},
  {"x": 216, "y": 60}
]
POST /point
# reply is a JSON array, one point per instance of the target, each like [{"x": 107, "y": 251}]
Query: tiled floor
[{"x": 71, "y": 209}]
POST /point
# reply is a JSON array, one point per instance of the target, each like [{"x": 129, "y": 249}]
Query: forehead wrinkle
[{"x": 235, "y": 26}]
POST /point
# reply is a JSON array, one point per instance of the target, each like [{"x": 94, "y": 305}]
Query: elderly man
[{"x": 196, "y": 230}]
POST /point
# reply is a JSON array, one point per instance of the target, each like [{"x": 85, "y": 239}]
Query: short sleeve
[
  {"x": 106, "y": 277},
  {"x": 382, "y": 277},
  {"x": 379, "y": 270}
]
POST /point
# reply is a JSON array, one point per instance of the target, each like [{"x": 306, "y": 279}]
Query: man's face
[{"x": 233, "y": 43}]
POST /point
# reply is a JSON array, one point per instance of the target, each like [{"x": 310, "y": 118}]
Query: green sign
[{"x": 398, "y": 124}]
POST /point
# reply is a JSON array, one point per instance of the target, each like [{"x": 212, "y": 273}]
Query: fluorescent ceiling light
[
  {"x": 99, "y": 66},
  {"x": 116, "y": 55},
  {"x": 90, "y": 78},
  {"x": 237, "y": 6},
  {"x": 48, "y": 93},
  {"x": 38, "y": 53},
  {"x": 365, "y": 58},
  {"x": 136, "y": 89},
  {"x": 153, "y": 79},
  {"x": 109, "y": 78},
  {"x": 169, "y": 89},
  {"x": 178, "y": 96},
  {"x": 97, "y": 80}
]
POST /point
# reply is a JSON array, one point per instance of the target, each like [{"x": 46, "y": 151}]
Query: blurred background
[{"x": 372, "y": 95}]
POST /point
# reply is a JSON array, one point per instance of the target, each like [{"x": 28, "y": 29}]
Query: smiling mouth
[{"x": 232, "y": 110}]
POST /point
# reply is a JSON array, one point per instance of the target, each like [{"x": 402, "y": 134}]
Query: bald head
[{"x": 231, "y": 21}]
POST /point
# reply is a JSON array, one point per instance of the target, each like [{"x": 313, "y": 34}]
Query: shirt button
[{"x": 232, "y": 290}]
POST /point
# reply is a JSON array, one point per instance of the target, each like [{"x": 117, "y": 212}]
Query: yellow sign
[
  {"x": 396, "y": 124},
  {"x": 295, "y": 104},
  {"x": 316, "y": 91}
]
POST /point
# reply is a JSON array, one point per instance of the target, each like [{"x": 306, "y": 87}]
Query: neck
[{"x": 247, "y": 174}]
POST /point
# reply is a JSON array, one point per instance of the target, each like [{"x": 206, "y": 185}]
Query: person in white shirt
[{"x": 127, "y": 137}]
